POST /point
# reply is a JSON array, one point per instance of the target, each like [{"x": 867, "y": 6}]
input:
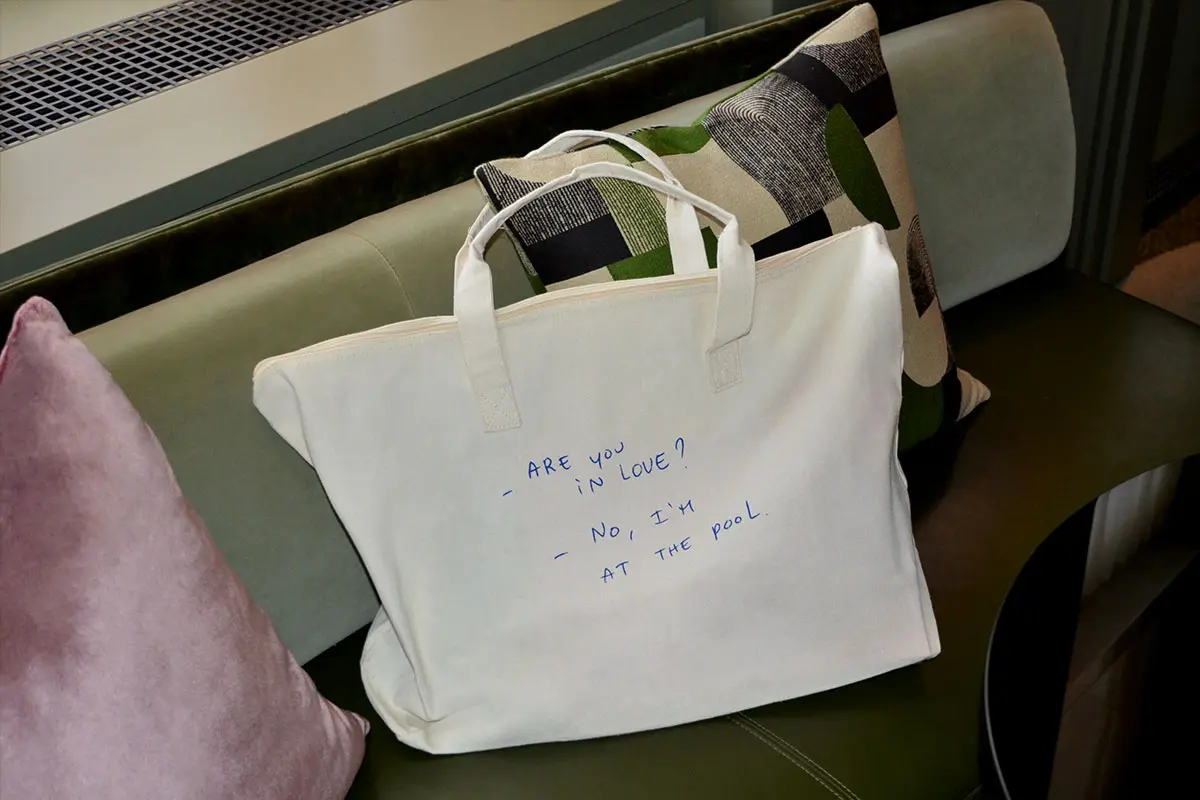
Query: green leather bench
[{"x": 1090, "y": 387}]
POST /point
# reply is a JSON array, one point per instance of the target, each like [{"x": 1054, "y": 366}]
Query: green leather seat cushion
[{"x": 1107, "y": 397}]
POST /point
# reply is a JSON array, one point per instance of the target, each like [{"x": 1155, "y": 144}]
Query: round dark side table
[{"x": 1029, "y": 658}]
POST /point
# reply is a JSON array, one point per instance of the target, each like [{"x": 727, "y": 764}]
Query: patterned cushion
[{"x": 811, "y": 148}]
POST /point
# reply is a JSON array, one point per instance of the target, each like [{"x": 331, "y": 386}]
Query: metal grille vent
[{"x": 71, "y": 80}]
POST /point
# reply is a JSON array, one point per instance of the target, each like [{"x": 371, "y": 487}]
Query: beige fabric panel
[{"x": 710, "y": 173}]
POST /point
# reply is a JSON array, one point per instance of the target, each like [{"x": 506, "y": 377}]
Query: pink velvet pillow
[{"x": 133, "y": 663}]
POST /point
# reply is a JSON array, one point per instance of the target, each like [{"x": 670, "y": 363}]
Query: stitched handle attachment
[{"x": 475, "y": 310}]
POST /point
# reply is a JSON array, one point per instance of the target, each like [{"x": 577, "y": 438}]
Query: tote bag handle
[
  {"x": 475, "y": 307},
  {"x": 687, "y": 250}
]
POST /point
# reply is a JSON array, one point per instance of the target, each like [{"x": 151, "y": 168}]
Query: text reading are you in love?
[
  {"x": 617, "y": 465},
  {"x": 612, "y": 466}
]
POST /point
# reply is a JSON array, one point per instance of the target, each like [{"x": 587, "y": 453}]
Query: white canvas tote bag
[{"x": 626, "y": 505}]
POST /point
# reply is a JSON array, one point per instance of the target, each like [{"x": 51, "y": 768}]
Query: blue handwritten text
[
  {"x": 536, "y": 470},
  {"x": 674, "y": 549},
  {"x": 640, "y": 469},
  {"x": 606, "y": 454},
  {"x": 721, "y": 527},
  {"x": 609, "y": 574}
]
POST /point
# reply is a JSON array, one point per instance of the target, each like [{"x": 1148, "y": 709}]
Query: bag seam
[
  {"x": 385, "y": 339},
  {"x": 414, "y": 724},
  {"x": 779, "y": 750},
  {"x": 408, "y": 340},
  {"x": 799, "y": 753}
]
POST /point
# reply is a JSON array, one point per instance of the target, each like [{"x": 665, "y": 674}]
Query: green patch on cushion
[
  {"x": 651, "y": 264},
  {"x": 710, "y": 246},
  {"x": 668, "y": 141},
  {"x": 637, "y": 212},
  {"x": 855, "y": 169},
  {"x": 921, "y": 412},
  {"x": 624, "y": 152},
  {"x": 657, "y": 262}
]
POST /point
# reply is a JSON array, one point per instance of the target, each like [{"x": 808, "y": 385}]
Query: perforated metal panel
[{"x": 71, "y": 80}]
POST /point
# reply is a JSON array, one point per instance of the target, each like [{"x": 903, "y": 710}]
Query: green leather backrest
[
  {"x": 186, "y": 364},
  {"x": 991, "y": 152},
  {"x": 990, "y": 140}
]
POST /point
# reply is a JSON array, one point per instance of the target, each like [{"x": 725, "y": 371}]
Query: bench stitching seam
[
  {"x": 391, "y": 268},
  {"x": 785, "y": 754},
  {"x": 801, "y": 754}
]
